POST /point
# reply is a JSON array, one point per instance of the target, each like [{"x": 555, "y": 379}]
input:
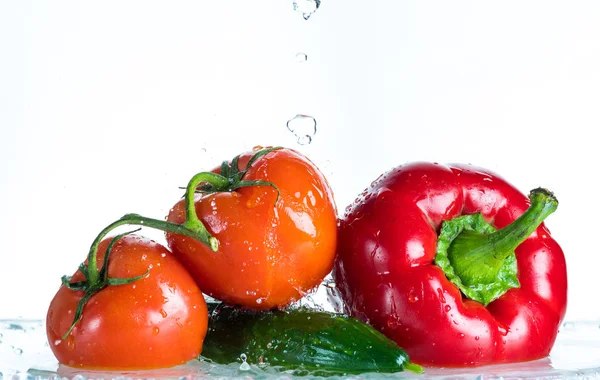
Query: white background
[{"x": 107, "y": 107}]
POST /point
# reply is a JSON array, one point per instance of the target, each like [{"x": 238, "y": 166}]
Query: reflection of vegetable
[
  {"x": 302, "y": 340},
  {"x": 150, "y": 315},
  {"x": 273, "y": 214},
  {"x": 511, "y": 304}
]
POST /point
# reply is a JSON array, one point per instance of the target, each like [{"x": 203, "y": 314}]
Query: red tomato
[
  {"x": 271, "y": 252},
  {"x": 157, "y": 321}
]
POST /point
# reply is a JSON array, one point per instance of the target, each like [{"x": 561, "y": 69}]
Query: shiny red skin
[
  {"x": 272, "y": 251},
  {"x": 157, "y": 321},
  {"x": 385, "y": 272}
]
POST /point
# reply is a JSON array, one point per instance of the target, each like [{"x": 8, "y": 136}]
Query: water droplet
[
  {"x": 70, "y": 343},
  {"x": 441, "y": 295},
  {"x": 163, "y": 313},
  {"x": 412, "y": 298},
  {"x": 461, "y": 335},
  {"x": 163, "y": 255},
  {"x": 447, "y": 308},
  {"x": 306, "y": 7},
  {"x": 155, "y": 331},
  {"x": 568, "y": 325},
  {"x": 269, "y": 345},
  {"x": 304, "y": 140},
  {"x": 18, "y": 351},
  {"x": 245, "y": 367},
  {"x": 393, "y": 323},
  {"x": 477, "y": 337},
  {"x": 303, "y": 127},
  {"x": 144, "y": 256},
  {"x": 301, "y": 57},
  {"x": 259, "y": 301},
  {"x": 57, "y": 342}
]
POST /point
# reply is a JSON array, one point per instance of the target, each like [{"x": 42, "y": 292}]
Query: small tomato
[
  {"x": 277, "y": 241},
  {"x": 157, "y": 321}
]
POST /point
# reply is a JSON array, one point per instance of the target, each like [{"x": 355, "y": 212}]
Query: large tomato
[
  {"x": 272, "y": 250},
  {"x": 157, "y": 321}
]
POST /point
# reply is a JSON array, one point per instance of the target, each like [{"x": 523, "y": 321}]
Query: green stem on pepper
[{"x": 480, "y": 260}]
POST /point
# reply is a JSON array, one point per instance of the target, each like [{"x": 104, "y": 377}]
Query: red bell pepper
[{"x": 454, "y": 264}]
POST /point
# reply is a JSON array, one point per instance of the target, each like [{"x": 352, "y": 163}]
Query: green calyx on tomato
[
  {"x": 96, "y": 279},
  {"x": 230, "y": 177},
  {"x": 479, "y": 259}
]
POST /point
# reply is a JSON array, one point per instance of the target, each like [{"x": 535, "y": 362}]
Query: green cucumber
[{"x": 302, "y": 340}]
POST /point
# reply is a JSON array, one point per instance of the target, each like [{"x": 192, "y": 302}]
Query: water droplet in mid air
[
  {"x": 301, "y": 57},
  {"x": 306, "y": 7},
  {"x": 303, "y": 127}
]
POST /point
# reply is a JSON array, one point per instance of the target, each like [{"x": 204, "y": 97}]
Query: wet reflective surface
[{"x": 25, "y": 354}]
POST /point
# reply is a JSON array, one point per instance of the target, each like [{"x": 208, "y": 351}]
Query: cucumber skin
[{"x": 300, "y": 338}]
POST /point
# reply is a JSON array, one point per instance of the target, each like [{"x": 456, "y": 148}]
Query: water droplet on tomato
[
  {"x": 155, "y": 331},
  {"x": 57, "y": 342},
  {"x": 257, "y": 148},
  {"x": 306, "y": 7},
  {"x": 461, "y": 335},
  {"x": 447, "y": 308},
  {"x": 144, "y": 256},
  {"x": 163, "y": 313},
  {"x": 477, "y": 337},
  {"x": 253, "y": 202},
  {"x": 303, "y": 127},
  {"x": 70, "y": 343}
]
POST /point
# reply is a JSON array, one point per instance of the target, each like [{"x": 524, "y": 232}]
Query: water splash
[
  {"x": 245, "y": 366},
  {"x": 303, "y": 127},
  {"x": 306, "y": 7}
]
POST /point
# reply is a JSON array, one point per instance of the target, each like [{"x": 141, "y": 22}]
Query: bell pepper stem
[{"x": 478, "y": 258}]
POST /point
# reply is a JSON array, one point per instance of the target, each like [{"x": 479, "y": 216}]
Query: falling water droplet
[
  {"x": 304, "y": 140},
  {"x": 301, "y": 57},
  {"x": 306, "y": 7},
  {"x": 303, "y": 127}
]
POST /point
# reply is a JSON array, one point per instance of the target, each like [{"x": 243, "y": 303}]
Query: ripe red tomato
[
  {"x": 271, "y": 251},
  {"x": 157, "y": 321}
]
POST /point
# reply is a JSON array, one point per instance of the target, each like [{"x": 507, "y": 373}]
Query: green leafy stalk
[
  {"x": 479, "y": 259},
  {"x": 230, "y": 178}
]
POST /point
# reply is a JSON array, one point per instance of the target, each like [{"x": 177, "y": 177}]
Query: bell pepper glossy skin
[{"x": 386, "y": 274}]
